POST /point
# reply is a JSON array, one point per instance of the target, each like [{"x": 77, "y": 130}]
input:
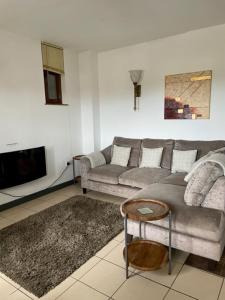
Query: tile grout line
[
  {"x": 172, "y": 289},
  {"x": 88, "y": 270},
  {"x": 109, "y": 251},
  {"x": 204, "y": 271},
  {"x": 136, "y": 274},
  {"x": 177, "y": 275},
  {"x": 46, "y": 293},
  {"x": 167, "y": 292},
  {"x": 93, "y": 288},
  {"x": 24, "y": 294},
  {"x": 9, "y": 281},
  {"x": 102, "y": 259},
  {"x": 118, "y": 266},
  {"x": 119, "y": 287},
  {"x": 13, "y": 292},
  {"x": 66, "y": 289},
  {"x": 76, "y": 280},
  {"x": 220, "y": 289}
]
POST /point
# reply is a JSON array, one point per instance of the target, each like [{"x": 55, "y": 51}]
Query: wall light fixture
[{"x": 136, "y": 77}]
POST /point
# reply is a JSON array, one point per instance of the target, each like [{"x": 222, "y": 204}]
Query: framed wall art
[{"x": 187, "y": 96}]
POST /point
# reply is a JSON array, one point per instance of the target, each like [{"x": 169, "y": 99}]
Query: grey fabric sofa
[{"x": 197, "y": 230}]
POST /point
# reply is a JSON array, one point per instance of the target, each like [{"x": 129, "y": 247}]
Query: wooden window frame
[{"x": 58, "y": 100}]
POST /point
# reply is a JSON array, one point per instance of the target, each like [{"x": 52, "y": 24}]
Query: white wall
[
  {"x": 194, "y": 51},
  {"x": 100, "y": 97},
  {"x": 88, "y": 75},
  {"x": 24, "y": 117}
]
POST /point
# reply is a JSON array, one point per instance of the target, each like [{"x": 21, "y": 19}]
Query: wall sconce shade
[{"x": 136, "y": 77}]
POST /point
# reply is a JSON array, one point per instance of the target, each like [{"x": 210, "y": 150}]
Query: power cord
[{"x": 19, "y": 196}]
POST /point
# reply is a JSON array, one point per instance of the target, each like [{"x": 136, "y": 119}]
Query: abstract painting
[{"x": 187, "y": 96}]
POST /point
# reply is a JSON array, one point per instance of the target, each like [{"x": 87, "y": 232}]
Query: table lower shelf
[{"x": 146, "y": 255}]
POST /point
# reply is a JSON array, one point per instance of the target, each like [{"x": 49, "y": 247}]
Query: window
[
  {"x": 53, "y": 90},
  {"x": 53, "y": 66}
]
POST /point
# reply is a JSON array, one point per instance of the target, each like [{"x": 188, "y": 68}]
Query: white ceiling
[{"x": 107, "y": 24}]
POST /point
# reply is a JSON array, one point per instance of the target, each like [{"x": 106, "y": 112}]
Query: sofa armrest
[
  {"x": 216, "y": 196},
  {"x": 85, "y": 166}
]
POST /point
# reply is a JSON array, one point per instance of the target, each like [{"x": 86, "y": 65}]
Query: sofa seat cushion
[
  {"x": 107, "y": 173},
  {"x": 142, "y": 177},
  {"x": 201, "y": 222},
  {"x": 176, "y": 179}
]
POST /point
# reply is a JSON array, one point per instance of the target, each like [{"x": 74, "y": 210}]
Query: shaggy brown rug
[
  {"x": 42, "y": 250},
  {"x": 209, "y": 265}
]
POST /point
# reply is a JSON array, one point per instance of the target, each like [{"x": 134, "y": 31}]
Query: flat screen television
[{"x": 21, "y": 166}]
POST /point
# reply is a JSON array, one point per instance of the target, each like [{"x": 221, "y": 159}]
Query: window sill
[{"x": 57, "y": 104}]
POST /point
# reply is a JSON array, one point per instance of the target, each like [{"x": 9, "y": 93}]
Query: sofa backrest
[
  {"x": 167, "y": 146},
  {"x": 203, "y": 147},
  {"x": 135, "y": 145}
]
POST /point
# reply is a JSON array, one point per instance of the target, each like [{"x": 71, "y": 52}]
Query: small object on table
[
  {"x": 77, "y": 157},
  {"x": 143, "y": 254}
]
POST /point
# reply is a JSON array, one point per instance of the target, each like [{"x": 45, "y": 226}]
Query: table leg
[
  {"x": 126, "y": 250},
  {"x": 74, "y": 175},
  {"x": 140, "y": 230},
  {"x": 170, "y": 250}
]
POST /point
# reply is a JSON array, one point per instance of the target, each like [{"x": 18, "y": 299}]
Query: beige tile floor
[{"x": 103, "y": 276}]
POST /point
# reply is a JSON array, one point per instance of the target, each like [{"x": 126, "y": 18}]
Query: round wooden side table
[
  {"x": 143, "y": 254},
  {"x": 77, "y": 157}
]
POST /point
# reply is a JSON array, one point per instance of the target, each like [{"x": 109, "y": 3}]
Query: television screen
[{"x": 21, "y": 166}]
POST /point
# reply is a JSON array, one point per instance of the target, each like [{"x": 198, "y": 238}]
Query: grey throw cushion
[
  {"x": 201, "y": 182},
  {"x": 107, "y": 152},
  {"x": 135, "y": 145},
  {"x": 167, "y": 146},
  {"x": 120, "y": 156},
  {"x": 183, "y": 160},
  {"x": 203, "y": 147},
  {"x": 151, "y": 157}
]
